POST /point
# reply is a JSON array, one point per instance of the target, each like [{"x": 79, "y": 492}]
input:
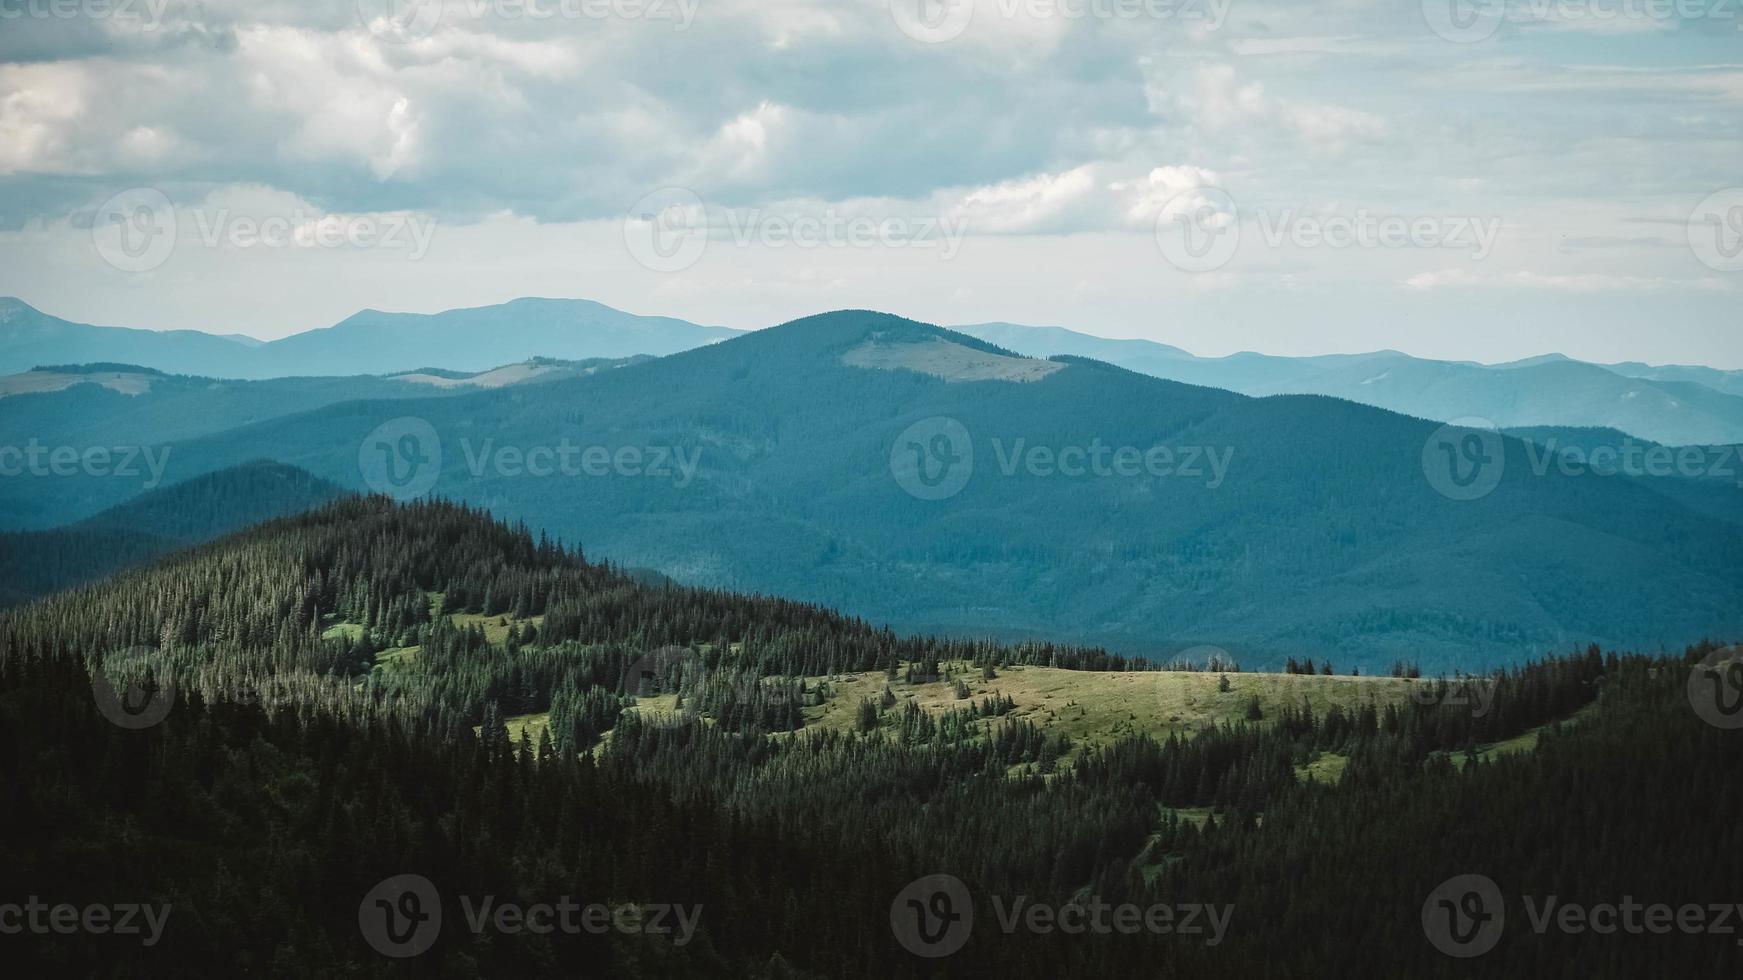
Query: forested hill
[
  {"x": 318, "y": 595},
  {"x": 374, "y": 690},
  {"x": 35, "y": 563}
]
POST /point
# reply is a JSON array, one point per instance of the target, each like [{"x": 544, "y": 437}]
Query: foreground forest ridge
[{"x": 323, "y": 703}]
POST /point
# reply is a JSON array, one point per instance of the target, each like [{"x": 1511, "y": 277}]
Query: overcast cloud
[{"x": 1053, "y": 135}]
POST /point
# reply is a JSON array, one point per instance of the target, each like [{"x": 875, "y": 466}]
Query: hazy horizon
[{"x": 713, "y": 322}]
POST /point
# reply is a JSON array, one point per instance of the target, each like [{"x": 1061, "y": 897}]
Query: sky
[{"x": 1460, "y": 179}]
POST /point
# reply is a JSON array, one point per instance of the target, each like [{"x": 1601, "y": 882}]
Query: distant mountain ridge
[
  {"x": 36, "y": 563},
  {"x": 783, "y": 462},
  {"x": 1672, "y": 406},
  {"x": 370, "y": 342}
]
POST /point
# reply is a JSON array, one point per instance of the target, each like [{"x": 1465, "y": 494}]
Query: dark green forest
[{"x": 303, "y": 761}]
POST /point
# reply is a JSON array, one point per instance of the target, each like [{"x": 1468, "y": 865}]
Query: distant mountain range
[
  {"x": 36, "y": 563},
  {"x": 150, "y": 412},
  {"x": 1671, "y": 405},
  {"x": 827, "y": 460},
  {"x": 370, "y": 342}
]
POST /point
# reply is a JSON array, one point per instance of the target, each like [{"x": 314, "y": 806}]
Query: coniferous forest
[{"x": 257, "y": 735}]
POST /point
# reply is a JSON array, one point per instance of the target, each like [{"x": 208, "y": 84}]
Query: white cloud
[{"x": 1042, "y": 202}]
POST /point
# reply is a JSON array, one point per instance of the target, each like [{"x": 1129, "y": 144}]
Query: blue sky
[{"x": 1554, "y": 176}]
